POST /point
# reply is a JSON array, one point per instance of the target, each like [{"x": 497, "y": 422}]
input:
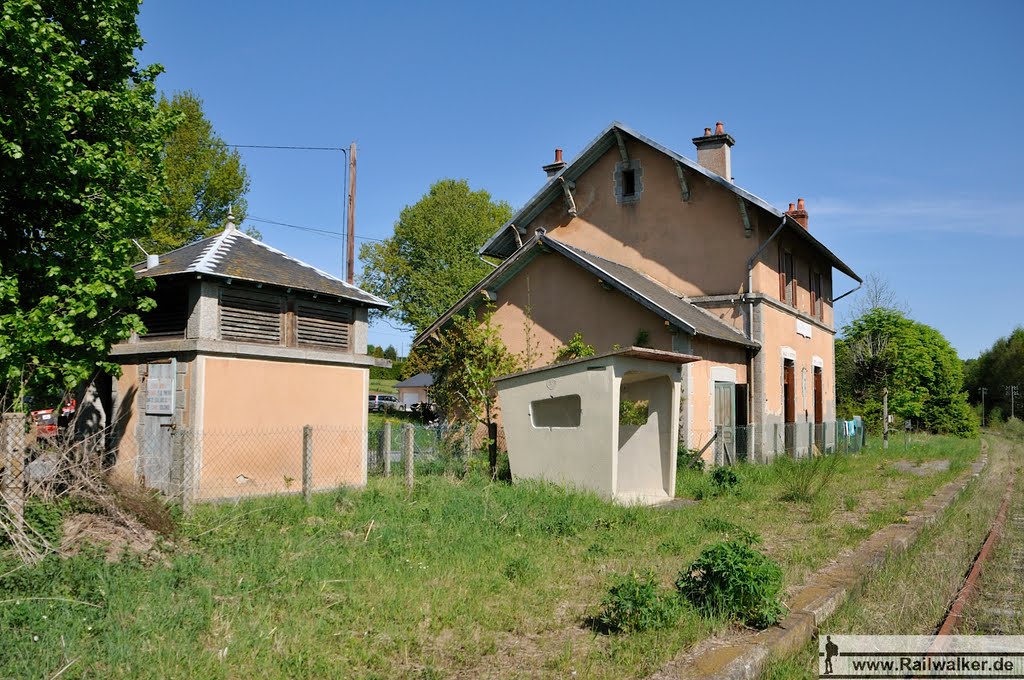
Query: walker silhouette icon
[{"x": 831, "y": 649}]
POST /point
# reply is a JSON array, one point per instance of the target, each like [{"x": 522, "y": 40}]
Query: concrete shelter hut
[
  {"x": 564, "y": 424},
  {"x": 245, "y": 347}
]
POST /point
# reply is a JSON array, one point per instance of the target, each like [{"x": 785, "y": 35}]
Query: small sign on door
[{"x": 160, "y": 389}]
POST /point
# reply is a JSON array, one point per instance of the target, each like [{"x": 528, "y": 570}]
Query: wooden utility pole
[
  {"x": 885, "y": 417},
  {"x": 350, "y": 272}
]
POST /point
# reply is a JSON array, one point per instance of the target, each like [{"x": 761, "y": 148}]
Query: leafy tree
[
  {"x": 914, "y": 361},
  {"x": 464, "y": 360},
  {"x": 205, "y": 178},
  {"x": 391, "y": 353},
  {"x": 575, "y": 349},
  {"x": 80, "y": 156},
  {"x": 431, "y": 261},
  {"x": 997, "y": 368}
]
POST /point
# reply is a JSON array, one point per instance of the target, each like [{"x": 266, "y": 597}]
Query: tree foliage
[
  {"x": 80, "y": 155},
  {"x": 996, "y": 369},
  {"x": 205, "y": 178},
  {"x": 464, "y": 359},
  {"x": 431, "y": 261},
  {"x": 884, "y": 349}
]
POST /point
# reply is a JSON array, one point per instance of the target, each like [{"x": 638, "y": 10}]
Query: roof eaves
[
  {"x": 498, "y": 276},
  {"x": 624, "y": 288},
  {"x": 592, "y": 151}
]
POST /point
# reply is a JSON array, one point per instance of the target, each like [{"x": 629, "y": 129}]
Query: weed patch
[
  {"x": 733, "y": 580},
  {"x": 635, "y": 604},
  {"x": 803, "y": 480}
]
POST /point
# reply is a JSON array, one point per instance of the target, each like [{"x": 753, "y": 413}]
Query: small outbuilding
[
  {"x": 607, "y": 423},
  {"x": 413, "y": 391}
]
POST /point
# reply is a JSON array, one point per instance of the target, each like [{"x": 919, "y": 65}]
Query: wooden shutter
[
  {"x": 327, "y": 325},
  {"x": 250, "y": 318}
]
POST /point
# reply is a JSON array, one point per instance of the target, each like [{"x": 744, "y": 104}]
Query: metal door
[{"x": 725, "y": 421}]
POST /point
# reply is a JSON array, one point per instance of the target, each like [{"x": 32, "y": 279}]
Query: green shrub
[
  {"x": 803, "y": 480},
  {"x": 575, "y": 349},
  {"x": 724, "y": 479},
  {"x": 689, "y": 459},
  {"x": 633, "y": 412},
  {"x": 733, "y": 580},
  {"x": 635, "y": 604}
]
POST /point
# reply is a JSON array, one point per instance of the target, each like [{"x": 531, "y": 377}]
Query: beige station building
[{"x": 632, "y": 243}]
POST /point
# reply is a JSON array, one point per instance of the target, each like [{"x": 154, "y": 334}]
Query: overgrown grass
[
  {"x": 465, "y": 577},
  {"x": 909, "y": 596}
]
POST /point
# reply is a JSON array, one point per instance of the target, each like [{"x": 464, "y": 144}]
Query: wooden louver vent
[
  {"x": 170, "y": 316},
  {"x": 323, "y": 325},
  {"x": 251, "y": 319}
]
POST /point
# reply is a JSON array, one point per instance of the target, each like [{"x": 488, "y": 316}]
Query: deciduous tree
[
  {"x": 205, "y": 178},
  {"x": 882, "y": 349},
  {"x": 431, "y": 260},
  {"x": 80, "y": 161},
  {"x": 997, "y": 368}
]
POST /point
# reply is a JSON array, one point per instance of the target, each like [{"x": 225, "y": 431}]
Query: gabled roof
[
  {"x": 646, "y": 291},
  {"x": 503, "y": 243},
  {"x": 418, "y": 380},
  {"x": 233, "y": 254}
]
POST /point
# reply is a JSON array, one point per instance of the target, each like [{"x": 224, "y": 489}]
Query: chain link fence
[{"x": 765, "y": 443}]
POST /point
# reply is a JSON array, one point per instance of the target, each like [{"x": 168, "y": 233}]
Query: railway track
[{"x": 994, "y": 606}]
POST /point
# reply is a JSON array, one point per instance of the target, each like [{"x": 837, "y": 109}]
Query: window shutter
[
  {"x": 323, "y": 325},
  {"x": 250, "y": 318}
]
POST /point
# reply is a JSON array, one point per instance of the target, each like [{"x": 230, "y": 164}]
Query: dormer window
[{"x": 628, "y": 181}]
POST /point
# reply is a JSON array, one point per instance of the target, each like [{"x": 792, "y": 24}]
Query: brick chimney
[
  {"x": 553, "y": 169},
  {"x": 713, "y": 151},
  {"x": 799, "y": 213}
]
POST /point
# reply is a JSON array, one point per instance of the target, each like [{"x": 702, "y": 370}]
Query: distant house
[
  {"x": 245, "y": 347},
  {"x": 634, "y": 244},
  {"x": 414, "y": 390}
]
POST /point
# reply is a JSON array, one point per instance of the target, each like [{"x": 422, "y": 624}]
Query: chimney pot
[
  {"x": 713, "y": 151},
  {"x": 799, "y": 214},
  {"x": 552, "y": 169}
]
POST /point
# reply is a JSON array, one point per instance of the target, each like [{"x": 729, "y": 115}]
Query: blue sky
[{"x": 900, "y": 123}]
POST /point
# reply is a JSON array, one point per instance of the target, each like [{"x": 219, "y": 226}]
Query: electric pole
[
  {"x": 983, "y": 391},
  {"x": 1013, "y": 392},
  {"x": 351, "y": 227}
]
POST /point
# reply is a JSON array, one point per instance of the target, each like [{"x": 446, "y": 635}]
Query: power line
[
  {"x": 326, "y": 232},
  {"x": 289, "y": 148}
]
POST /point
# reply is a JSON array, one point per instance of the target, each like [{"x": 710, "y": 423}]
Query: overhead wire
[{"x": 315, "y": 230}]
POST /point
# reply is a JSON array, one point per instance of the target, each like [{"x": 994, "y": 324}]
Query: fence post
[
  {"x": 12, "y": 484},
  {"x": 307, "y": 462},
  {"x": 407, "y": 454},
  {"x": 178, "y": 456},
  {"x": 385, "y": 445}
]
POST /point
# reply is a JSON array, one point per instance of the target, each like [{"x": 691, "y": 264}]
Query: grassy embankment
[{"x": 465, "y": 578}]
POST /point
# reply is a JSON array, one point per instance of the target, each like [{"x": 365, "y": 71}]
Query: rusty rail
[{"x": 970, "y": 586}]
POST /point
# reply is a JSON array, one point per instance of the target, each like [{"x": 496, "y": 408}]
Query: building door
[
  {"x": 725, "y": 421},
  {"x": 819, "y": 411},
  {"x": 156, "y": 444},
  {"x": 789, "y": 404}
]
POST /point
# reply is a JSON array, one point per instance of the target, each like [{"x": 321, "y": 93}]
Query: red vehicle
[{"x": 46, "y": 421}]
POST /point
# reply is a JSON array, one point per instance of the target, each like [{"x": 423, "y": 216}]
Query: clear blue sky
[{"x": 901, "y": 123}]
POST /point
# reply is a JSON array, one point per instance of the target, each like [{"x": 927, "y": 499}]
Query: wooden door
[{"x": 725, "y": 420}]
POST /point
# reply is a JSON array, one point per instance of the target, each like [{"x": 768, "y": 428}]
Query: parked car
[{"x": 383, "y": 402}]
